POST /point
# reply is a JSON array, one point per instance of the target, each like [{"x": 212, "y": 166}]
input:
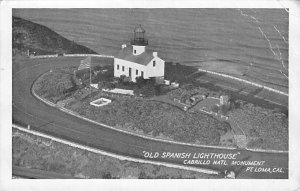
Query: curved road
[{"x": 28, "y": 110}]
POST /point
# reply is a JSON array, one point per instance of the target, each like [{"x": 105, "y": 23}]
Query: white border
[{"x": 6, "y": 183}]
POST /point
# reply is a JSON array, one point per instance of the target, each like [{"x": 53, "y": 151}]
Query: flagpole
[{"x": 90, "y": 78}]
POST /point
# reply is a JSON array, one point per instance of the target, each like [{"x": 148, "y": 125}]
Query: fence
[
  {"x": 44, "y": 56},
  {"x": 73, "y": 55},
  {"x": 245, "y": 81}
]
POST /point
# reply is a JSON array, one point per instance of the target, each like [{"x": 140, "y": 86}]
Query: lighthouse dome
[
  {"x": 139, "y": 38},
  {"x": 139, "y": 29}
]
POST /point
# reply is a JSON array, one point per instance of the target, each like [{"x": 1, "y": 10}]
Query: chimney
[
  {"x": 123, "y": 46},
  {"x": 155, "y": 54}
]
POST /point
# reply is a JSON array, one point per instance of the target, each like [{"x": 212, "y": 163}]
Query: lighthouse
[
  {"x": 139, "y": 41},
  {"x": 135, "y": 60}
]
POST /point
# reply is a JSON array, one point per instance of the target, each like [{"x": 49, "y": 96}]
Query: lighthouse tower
[{"x": 139, "y": 42}]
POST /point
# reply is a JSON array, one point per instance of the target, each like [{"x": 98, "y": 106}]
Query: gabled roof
[{"x": 143, "y": 59}]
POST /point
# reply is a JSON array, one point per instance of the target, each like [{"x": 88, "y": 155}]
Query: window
[
  {"x": 154, "y": 63},
  {"x": 134, "y": 51},
  {"x": 118, "y": 67},
  {"x": 123, "y": 68},
  {"x": 142, "y": 74},
  {"x": 136, "y": 72}
]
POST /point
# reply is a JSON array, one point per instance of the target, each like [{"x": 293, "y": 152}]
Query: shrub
[
  {"x": 148, "y": 90},
  {"x": 140, "y": 81},
  {"x": 224, "y": 110},
  {"x": 106, "y": 175},
  {"x": 215, "y": 108}
]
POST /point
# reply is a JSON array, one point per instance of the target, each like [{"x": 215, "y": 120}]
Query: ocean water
[{"x": 255, "y": 40}]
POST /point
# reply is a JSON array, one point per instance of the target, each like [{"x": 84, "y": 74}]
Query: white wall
[
  {"x": 149, "y": 70},
  {"x": 128, "y": 64},
  {"x": 158, "y": 70},
  {"x": 139, "y": 49}
]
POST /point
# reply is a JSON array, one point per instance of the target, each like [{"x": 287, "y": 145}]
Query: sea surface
[{"x": 253, "y": 41}]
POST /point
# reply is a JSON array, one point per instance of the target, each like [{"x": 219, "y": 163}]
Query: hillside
[{"x": 27, "y": 35}]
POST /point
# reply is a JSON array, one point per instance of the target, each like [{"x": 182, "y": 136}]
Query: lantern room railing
[{"x": 139, "y": 41}]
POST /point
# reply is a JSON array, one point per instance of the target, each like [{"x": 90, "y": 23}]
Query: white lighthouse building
[{"x": 136, "y": 61}]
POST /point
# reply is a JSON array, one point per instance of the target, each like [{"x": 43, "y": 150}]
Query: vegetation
[
  {"x": 161, "y": 118},
  {"x": 39, "y": 153},
  {"x": 266, "y": 129},
  {"x": 34, "y": 37},
  {"x": 155, "y": 119},
  {"x": 147, "y": 88},
  {"x": 56, "y": 87}
]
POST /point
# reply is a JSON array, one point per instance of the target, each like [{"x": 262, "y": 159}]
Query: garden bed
[{"x": 100, "y": 102}]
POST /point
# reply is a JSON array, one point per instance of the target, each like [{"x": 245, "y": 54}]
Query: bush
[
  {"x": 148, "y": 90},
  {"x": 106, "y": 175},
  {"x": 106, "y": 85},
  {"x": 215, "y": 109},
  {"x": 140, "y": 81}
]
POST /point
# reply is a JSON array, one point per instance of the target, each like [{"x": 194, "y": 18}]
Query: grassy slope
[
  {"x": 35, "y": 37},
  {"x": 33, "y": 152}
]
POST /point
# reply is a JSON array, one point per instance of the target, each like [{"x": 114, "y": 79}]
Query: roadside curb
[
  {"x": 266, "y": 151},
  {"x": 120, "y": 157}
]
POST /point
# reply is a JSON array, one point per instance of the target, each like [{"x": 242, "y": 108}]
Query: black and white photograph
[{"x": 151, "y": 93}]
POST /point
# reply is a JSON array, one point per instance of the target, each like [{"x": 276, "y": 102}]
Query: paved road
[{"x": 29, "y": 110}]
